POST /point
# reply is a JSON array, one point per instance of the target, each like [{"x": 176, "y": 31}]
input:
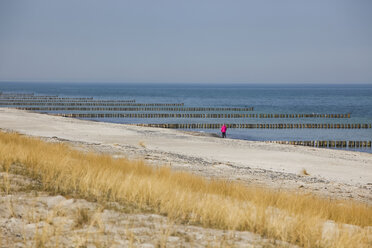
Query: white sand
[{"x": 343, "y": 173}]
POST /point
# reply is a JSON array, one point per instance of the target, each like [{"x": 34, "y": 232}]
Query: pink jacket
[{"x": 223, "y": 129}]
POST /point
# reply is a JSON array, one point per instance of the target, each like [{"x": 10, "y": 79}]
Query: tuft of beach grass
[{"x": 304, "y": 172}]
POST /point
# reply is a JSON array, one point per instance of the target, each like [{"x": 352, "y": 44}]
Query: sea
[{"x": 353, "y": 99}]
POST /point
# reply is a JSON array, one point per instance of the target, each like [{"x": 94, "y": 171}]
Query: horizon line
[{"x": 211, "y": 83}]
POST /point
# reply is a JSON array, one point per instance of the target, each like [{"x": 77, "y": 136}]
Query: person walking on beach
[{"x": 223, "y": 130}]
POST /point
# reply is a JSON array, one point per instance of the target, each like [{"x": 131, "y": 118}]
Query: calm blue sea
[{"x": 286, "y": 99}]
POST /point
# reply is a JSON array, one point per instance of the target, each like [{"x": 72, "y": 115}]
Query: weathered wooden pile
[
  {"x": 31, "y": 101},
  {"x": 183, "y": 115},
  {"x": 327, "y": 143},
  {"x": 259, "y": 125},
  {"x": 171, "y": 109},
  {"x": 82, "y": 103}
]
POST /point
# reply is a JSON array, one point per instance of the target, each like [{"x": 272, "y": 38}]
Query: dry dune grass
[{"x": 296, "y": 218}]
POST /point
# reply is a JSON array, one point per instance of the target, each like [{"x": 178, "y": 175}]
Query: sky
[{"x": 198, "y": 41}]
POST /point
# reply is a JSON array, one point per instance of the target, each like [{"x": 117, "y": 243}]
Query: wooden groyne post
[
  {"x": 260, "y": 125},
  {"x": 328, "y": 143}
]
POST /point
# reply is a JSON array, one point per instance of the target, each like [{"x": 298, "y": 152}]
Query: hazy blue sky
[{"x": 277, "y": 41}]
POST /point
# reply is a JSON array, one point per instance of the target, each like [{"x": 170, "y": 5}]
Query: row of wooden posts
[
  {"x": 327, "y": 143},
  {"x": 63, "y": 100},
  {"x": 16, "y": 94},
  {"x": 42, "y": 98},
  {"x": 46, "y": 98},
  {"x": 261, "y": 126},
  {"x": 194, "y": 115},
  {"x": 175, "y": 109},
  {"x": 4, "y": 103}
]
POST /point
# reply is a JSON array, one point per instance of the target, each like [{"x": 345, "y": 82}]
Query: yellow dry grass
[
  {"x": 296, "y": 218},
  {"x": 142, "y": 144},
  {"x": 304, "y": 172}
]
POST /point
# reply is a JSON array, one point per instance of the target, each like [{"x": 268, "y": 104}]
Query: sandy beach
[
  {"x": 332, "y": 173},
  {"x": 31, "y": 216}
]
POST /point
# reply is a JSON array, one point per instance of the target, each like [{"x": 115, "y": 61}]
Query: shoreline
[
  {"x": 332, "y": 173},
  {"x": 216, "y": 134}
]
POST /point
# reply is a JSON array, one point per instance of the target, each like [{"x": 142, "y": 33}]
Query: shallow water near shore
[{"x": 266, "y": 99}]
